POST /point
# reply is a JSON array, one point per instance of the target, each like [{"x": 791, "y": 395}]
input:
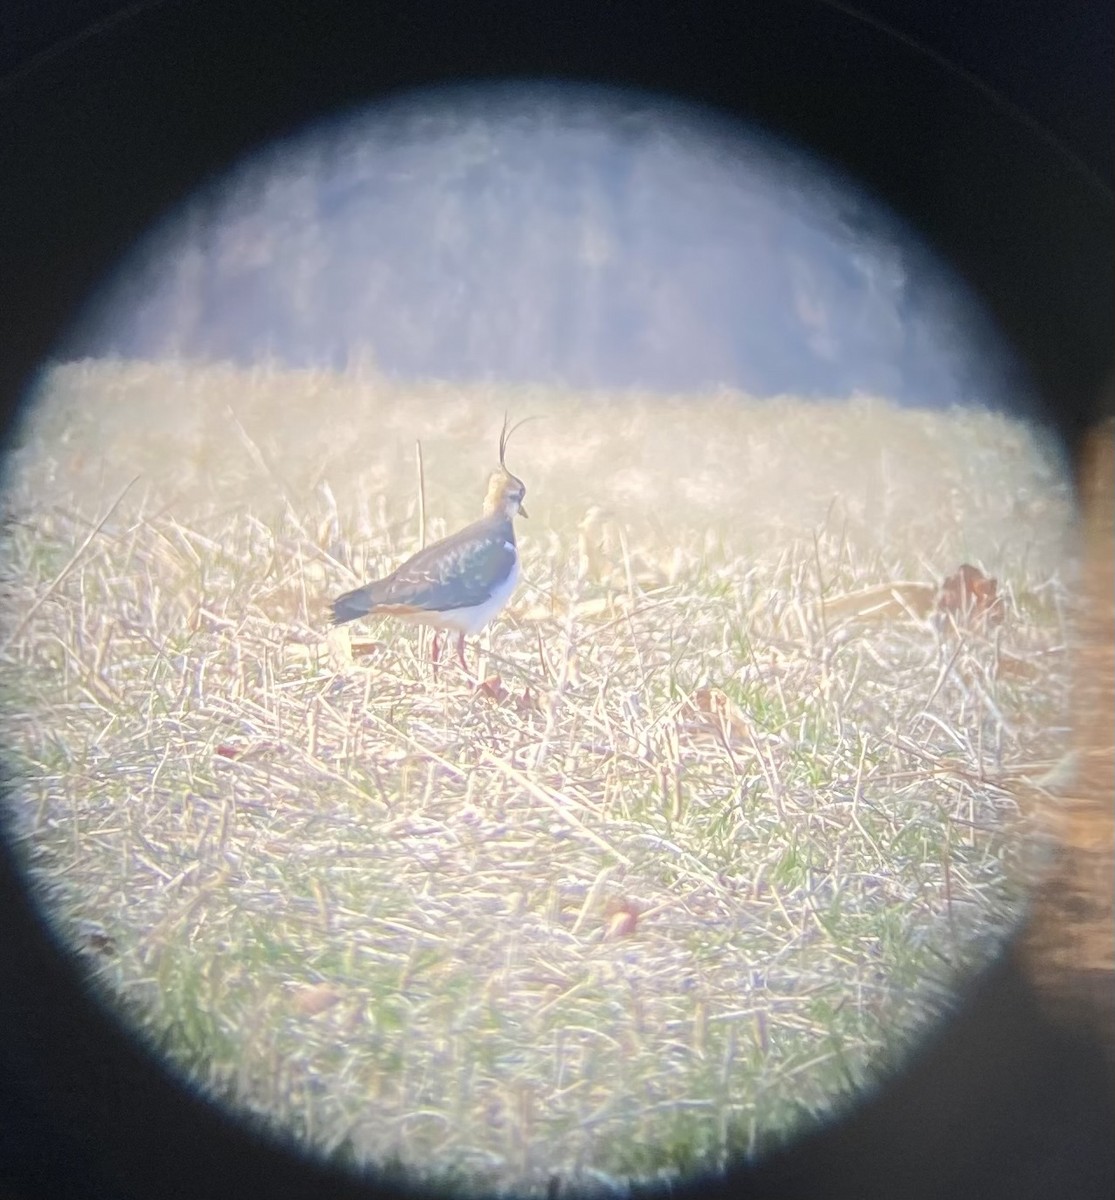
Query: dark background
[{"x": 110, "y": 113}]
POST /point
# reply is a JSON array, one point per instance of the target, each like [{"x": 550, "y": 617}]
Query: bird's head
[
  {"x": 505, "y": 495},
  {"x": 505, "y": 491}
]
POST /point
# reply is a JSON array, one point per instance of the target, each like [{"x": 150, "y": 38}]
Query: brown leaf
[
  {"x": 971, "y": 597},
  {"x": 310, "y": 1001},
  {"x": 726, "y": 716},
  {"x": 621, "y": 919},
  {"x": 493, "y": 688}
]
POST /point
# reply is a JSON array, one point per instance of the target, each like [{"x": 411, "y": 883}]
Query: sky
[{"x": 557, "y": 234}]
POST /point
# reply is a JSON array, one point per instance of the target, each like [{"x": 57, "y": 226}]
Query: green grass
[{"x": 372, "y": 907}]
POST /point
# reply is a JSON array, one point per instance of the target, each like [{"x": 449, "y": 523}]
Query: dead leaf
[
  {"x": 621, "y": 919},
  {"x": 721, "y": 712},
  {"x": 970, "y": 597},
  {"x": 315, "y": 999},
  {"x": 493, "y": 688}
]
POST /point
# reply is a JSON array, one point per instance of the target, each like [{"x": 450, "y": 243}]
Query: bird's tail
[{"x": 353, "y": 604}]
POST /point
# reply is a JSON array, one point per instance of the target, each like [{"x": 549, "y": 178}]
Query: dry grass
[{"x": 689, "y": 872}]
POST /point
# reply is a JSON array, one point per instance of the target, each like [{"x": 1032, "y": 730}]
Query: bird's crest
[
  {"x": 505, "y": 437},
  {"x": 505, "y": 491}
]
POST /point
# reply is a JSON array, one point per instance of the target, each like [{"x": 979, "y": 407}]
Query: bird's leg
[
  {"x": 435, "y": 651},
  {"x": 461, "y": 654}
]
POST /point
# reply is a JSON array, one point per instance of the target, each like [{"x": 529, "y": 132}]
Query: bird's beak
[{"x": 523, "y": 512}]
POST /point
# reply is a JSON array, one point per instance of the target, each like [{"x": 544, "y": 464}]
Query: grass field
[{"x": 711, "y": 845}]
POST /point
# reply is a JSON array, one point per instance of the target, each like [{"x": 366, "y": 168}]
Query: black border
[{"x": 112, "y": 113}]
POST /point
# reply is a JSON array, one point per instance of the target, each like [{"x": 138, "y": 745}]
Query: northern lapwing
[{"x": 459, "y": 583}]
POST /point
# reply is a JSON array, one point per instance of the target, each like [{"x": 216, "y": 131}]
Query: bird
[{"x": 460, "y": 583}]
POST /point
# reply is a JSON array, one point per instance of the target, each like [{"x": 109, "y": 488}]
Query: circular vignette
[{"x": 216, "y": 939}]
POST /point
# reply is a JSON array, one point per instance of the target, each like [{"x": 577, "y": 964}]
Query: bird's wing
[{"x": 458, "y": 572}]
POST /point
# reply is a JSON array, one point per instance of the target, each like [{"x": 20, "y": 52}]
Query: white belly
[{"x": 472, "y": 620}]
